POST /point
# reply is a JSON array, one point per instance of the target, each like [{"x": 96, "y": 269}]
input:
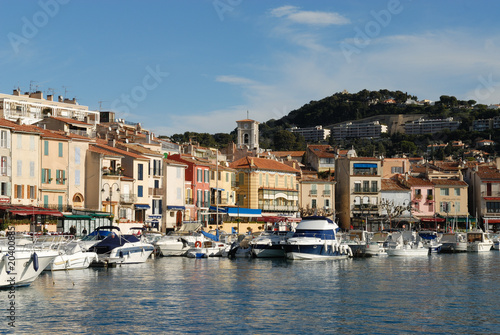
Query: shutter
[
  {"x": 49, "y": 173},
  {"x": 9, "y": 135},
  {"x": 15, "y": 191},
  {"x": 22, "y": 191},
  {"x": 64, "y": 177},
  {"x": 43, "y": 177},
  {"x": 9, "y": 166},
  {"x": 9, "y": 189}
]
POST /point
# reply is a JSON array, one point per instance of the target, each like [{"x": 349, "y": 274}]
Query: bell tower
[{"x": 248, "y": 134}]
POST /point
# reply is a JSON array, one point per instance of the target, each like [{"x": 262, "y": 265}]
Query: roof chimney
[
  {"x": 50, "y": 97},
  {"x": 16, "y": 92}
]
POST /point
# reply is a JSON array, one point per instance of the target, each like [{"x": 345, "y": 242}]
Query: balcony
[
  {"x": 110, "y": 172},
  {"x": 313, "y": 192},
  {"x": 156, "y": 191},
  {"x": 490, "y": 194},
  {"x": 189, "y": 201},
  {"x": 365, "y": 190},
  {"x": 327, "y": 193},
  {"x": 128, "y": 198},
  {"x": 281, "y": 208},
  {"x": 366, "y": 208}
]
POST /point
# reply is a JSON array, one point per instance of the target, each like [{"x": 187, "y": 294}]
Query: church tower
[{"x": 248, "y": 134}]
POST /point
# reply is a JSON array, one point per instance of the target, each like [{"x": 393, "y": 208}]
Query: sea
[{"x": 436, "y": 294}]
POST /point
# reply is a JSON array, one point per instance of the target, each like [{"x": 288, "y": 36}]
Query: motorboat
[
  {"x": 178, "y": 243},
  {"x": 496, "y": 241},
  {"x": 21, "y": 266},
  {"x": 72, "y": 257},
  {"x": 122, "y": 249},
  {"x": 453, "y": 242},
  {"x": 315, "y": 238},
  {"x": 431, "y": 240},
  {"x": 269, "y": 244},
  {"x": 406, "y": 243},
  {"x": 99, "y": 234},
  {"x": 478, "y": 241},
  {"x": 356, "y": 240},
  {"x": 241, "y": 248},
  {"x": 376, "y": 244},
  {"x": 208, "y": 248}
]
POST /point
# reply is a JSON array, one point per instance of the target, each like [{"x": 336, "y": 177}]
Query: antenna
[
  {"x": 65, "y": 91},
  {"x": 247, "y": 115},
  {"x": 51, "y": 91},
  {"x": 100, "y": 104},
  {"x": 32, "y": 82}
]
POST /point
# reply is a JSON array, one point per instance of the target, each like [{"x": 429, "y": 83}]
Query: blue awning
[
  {"x": 141, "y": 206},
  {"x": 244, "y": 212},
  {"x": 365, "y": 166},
  {"x": 176, "y": 208},
  {"x": 221, "y": 209}
]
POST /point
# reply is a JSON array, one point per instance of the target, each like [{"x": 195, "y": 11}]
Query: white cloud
[
  {"x": 235, "y": 80},
  {"x": 316, "y": 18}
]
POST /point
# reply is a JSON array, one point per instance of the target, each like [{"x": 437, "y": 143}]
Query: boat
[
  {"x": 241, "y": 248},
  {"x": 178, "y": 243},
  {"x": 72, "y": 257},
  {"x": 356, "y": 240},
  {"x": 99, "y": 234},
  {"x": 315, "y": 238},
  {"x": 208, "y": 248},
  {"x": 22, "y": 266},
  {"x": 496, "y": 241},
  {"x": 406, "y": 243},
  {"x": 122, "y": 249},
  {"x": 431, "y": 240},
  {"x": 453, "y": 242},
  {"x": 478, "y": 241},
  {"x": 269, "y": 244},
  {"x": 376, "y": 244}
]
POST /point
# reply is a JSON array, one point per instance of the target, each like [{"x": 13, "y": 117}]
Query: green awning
[
  {"x": 100, "y": 215},
  {"x": 77, "y": 217}
]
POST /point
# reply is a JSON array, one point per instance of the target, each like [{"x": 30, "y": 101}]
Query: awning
[
  {"x": 491, "y": 220},
  {"x": 77, "y": 217},
  {"x": 141, "y": 206},
  {"x": 222, "y": 209},
  {"x": 364, "y": 165},
  {"x": 29, "y": 210},
  {"x": 244, "y": 212},
  {"x": 176, "y": 208},
  {"x": 430, "y": 219}
]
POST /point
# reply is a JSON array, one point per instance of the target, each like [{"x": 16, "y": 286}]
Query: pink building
[{"x": 422, "y": 198}]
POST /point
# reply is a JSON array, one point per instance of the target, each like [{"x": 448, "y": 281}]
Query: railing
[
  {"x": 155, "y": 172},
  {"x": 155, "y": 191},
  {"x": 490, "y": 194},
  {"x": 108, "y": 172},
  {"x": 61, "y": 208},
  {"x": 365, "y": 190},
  {"x": 286, "y": 208},
  {"x": 327, "y": 192},
  {"x": 365, "y": 207},
  {"x": 128, "y": 198},
  {"x": 79, "y": 132},
  {"x": 189, "y": 201},
  {"x": 313, "y": 192}
]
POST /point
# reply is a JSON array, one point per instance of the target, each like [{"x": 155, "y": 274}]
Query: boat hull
[
  {"x": 453, "y": 247},
  {"x": 314, "y": 252},
  {"x": 479, "y": 247},
  {"x": 408, "y": 252},
  {"x": 268, "y": 251},
  {"x": 22, "y": 268},
  {"x": 77, "y": 261},
  {"x": 131, "y": 254}
]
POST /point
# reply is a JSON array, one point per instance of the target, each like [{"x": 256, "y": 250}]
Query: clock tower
[{"x": 248, "y": 134}]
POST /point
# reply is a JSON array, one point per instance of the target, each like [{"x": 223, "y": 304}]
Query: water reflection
[{"x": 436, "y": 294}]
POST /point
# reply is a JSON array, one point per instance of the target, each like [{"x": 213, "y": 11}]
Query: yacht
[
  {"x": 315, "y": 238},
  {"x": 72, "y": 257},
  {"x": 406, "y": 243},
  {"x": 431, "y": 240},
  {"x": 478, "y": 241},
  {"x": 122, "y": 249},
  {"x": 376, "y": 245},
  {"x": 269, "y": 244},
  {"x": 356, "y": 240},
  {"x": 453, "y": 242},
  {"x": 99, "y": 234},
  {"x": 208, "y": 248},
  {"x": 178, "y": 243},
  {"x": 22, "y": 266}
]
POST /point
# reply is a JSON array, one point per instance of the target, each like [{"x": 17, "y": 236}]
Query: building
[
  {"x": 317, "y": 194},
  {"x": 266, "y": 185},
  {"x": 422, "y": 198},
  {"x": 321, "y": 157},
  {"x": 312, "y": 134},
  {"x": 451, "y": 200},
  {"x": 430, "y": 126},
  {"x": 248, "y": 134},
  {"x": 174, "y": 174},
  {"x": 358, "y": 191},
  {"x": 371, "y": 129},
  {"x": 31, "y": 108},
  {"x": 395, "y": 203},
  {"x": 394, "y": 166}
]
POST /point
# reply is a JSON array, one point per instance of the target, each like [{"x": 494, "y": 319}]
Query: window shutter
[
  {"x": 15, "y": 191},
  {"x": 49, "y": 170},
  {"x": 34, "y": 194},
  {"x": 43, "y": 177},
  {"x": 9, "y": 190},
  {"x": 64, "y": 177},
  {"x": 22, "y": 191}
]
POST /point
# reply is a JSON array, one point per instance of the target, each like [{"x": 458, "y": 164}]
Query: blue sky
[{"x": 189, "y": 65}]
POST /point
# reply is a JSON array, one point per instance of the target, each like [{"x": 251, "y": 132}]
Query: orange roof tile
[
  {"x": 71, "y": 121},
  {"x": 100, "y": 150},
  {"x": 261, "y": 163},
  {"x": 449, "y": 182},
  {"x": 392, "y": 185}
]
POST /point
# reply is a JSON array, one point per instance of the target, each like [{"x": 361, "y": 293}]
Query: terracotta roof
[
  {"x": 100, "y": 150},
  {"x": 287, "y": 153},
  {"x": 71, "y": 121},
  {"x": 488, "y": 173},
  {"x": 52, "y": 134},
  {"x": 122, "y": 152},
  {"x": 392, "y": 185},
  {"x": 261, "y": 163},
  {"x": 20, "y": 127},
  {"x": 139, "y": 148},
  {"x": 414, "y": 181},
  {"x": 449, "y": 182}
]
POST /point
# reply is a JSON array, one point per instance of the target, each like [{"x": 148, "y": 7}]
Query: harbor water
[{"x": 437, "y": 294}]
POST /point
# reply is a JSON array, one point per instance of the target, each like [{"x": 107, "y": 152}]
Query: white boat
[
  {"x": 72, "y": 257},
  {"x": 269, "y": 244},
  {"x": 478, "y": 241},
  {"x": 496, "y": 241},
  {"x": 376, "y": 244},
  {"x": 178, "y": 243},
  {"x": 315, "y": 238},
  {"x": 453, "y": 242},
  {"x": 22, "y": 266},
  {"x": 431, "y": 240},
  {"x": 356, "y": 240},
  {"x": 99, "y": 234},
  {"x": 208, "y": 248},
  {"x": 406, "y": 243},
  {"x": 122, "y": 249}
]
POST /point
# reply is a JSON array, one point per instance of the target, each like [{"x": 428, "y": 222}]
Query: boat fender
[
  {"x": 350, "y": 252},
  {"x": 197, "y": 244},
  {"x": 34, "y": 257}
]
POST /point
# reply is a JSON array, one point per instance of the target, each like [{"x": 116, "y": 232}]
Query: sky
[{"x": 201, "y": 65}]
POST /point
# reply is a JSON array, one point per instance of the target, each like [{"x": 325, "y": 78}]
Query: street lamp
[
  {"x": 244, "y": 197},
  {"x": 110, "y": 196}
]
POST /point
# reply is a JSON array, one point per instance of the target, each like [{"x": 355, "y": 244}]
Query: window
[
  {"x": 227, "y": 178},
  {"x": 374, "y": 187},
  {"x": 178, "y": 170},
  {"x": 219, "y": 176},
  {"x": 77, "y": 177},
  {"x": 3, "y": 138},
  {"x": 199, "y": 194},
  {"x": 157, "y": 183},
  {"x": 444, "y": 207},
  {"x": 60, "y": 149},
  {"x": 260, "y": 179},
  {"x": 60, "y": 202},
  {"x": 46, "y": 179},
  {"x": 199, "y": 177},
  {"x": 357, "y": 186},
  {"x": 207, "y": 199},
  {"x": 77, "y": 156},
  {"x": 46, "y": 148},
  {"x": 429, "y": 192},
  {"x": 366, "y": 186},
  {"x": 32, "y": 194},
  {"x": 207, "y": 176},
  {"x": 19, "y": 168},
  {"x": 157, "y": 204},
  {"x": 32, "y": 143},
  {"x": 140, "y": 172},
  {"x": 327, "y": 203},
  {"x": 179, "y": 193},
  {"x": 60, "y": 177},
  {"x": 397, "y": 169},
  {"x": 313, "y": 203},
  {"x": 19, "y": 191},
  {"x": 3, "y": 168},
  {"x": 418, "y": 191},
  {"x": 314, "y": 191},
  {"x": 276, "y": 181},
  {"x": 4, "y": 188},
  {"x": 45, "y": 201},
  {"x": 139, "y": 190},
  {"x": 19, "y": 141},
  {"x": 457, "y": 191},
  {"x": 242, "y": 179},
  {"x": 457, "y": 206},
  {"x": 267, "y": 180},
  {"x": 445, "y": 191},
  {"x": 32, "y": 169}
]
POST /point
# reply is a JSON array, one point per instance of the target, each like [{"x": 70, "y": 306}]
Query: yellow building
[
  {"x": 451, "y": 198},
  {"x": 267, "y": 185}
]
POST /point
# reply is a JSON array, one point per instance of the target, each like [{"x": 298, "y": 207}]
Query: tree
[{"x": 392, "y": 210}]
